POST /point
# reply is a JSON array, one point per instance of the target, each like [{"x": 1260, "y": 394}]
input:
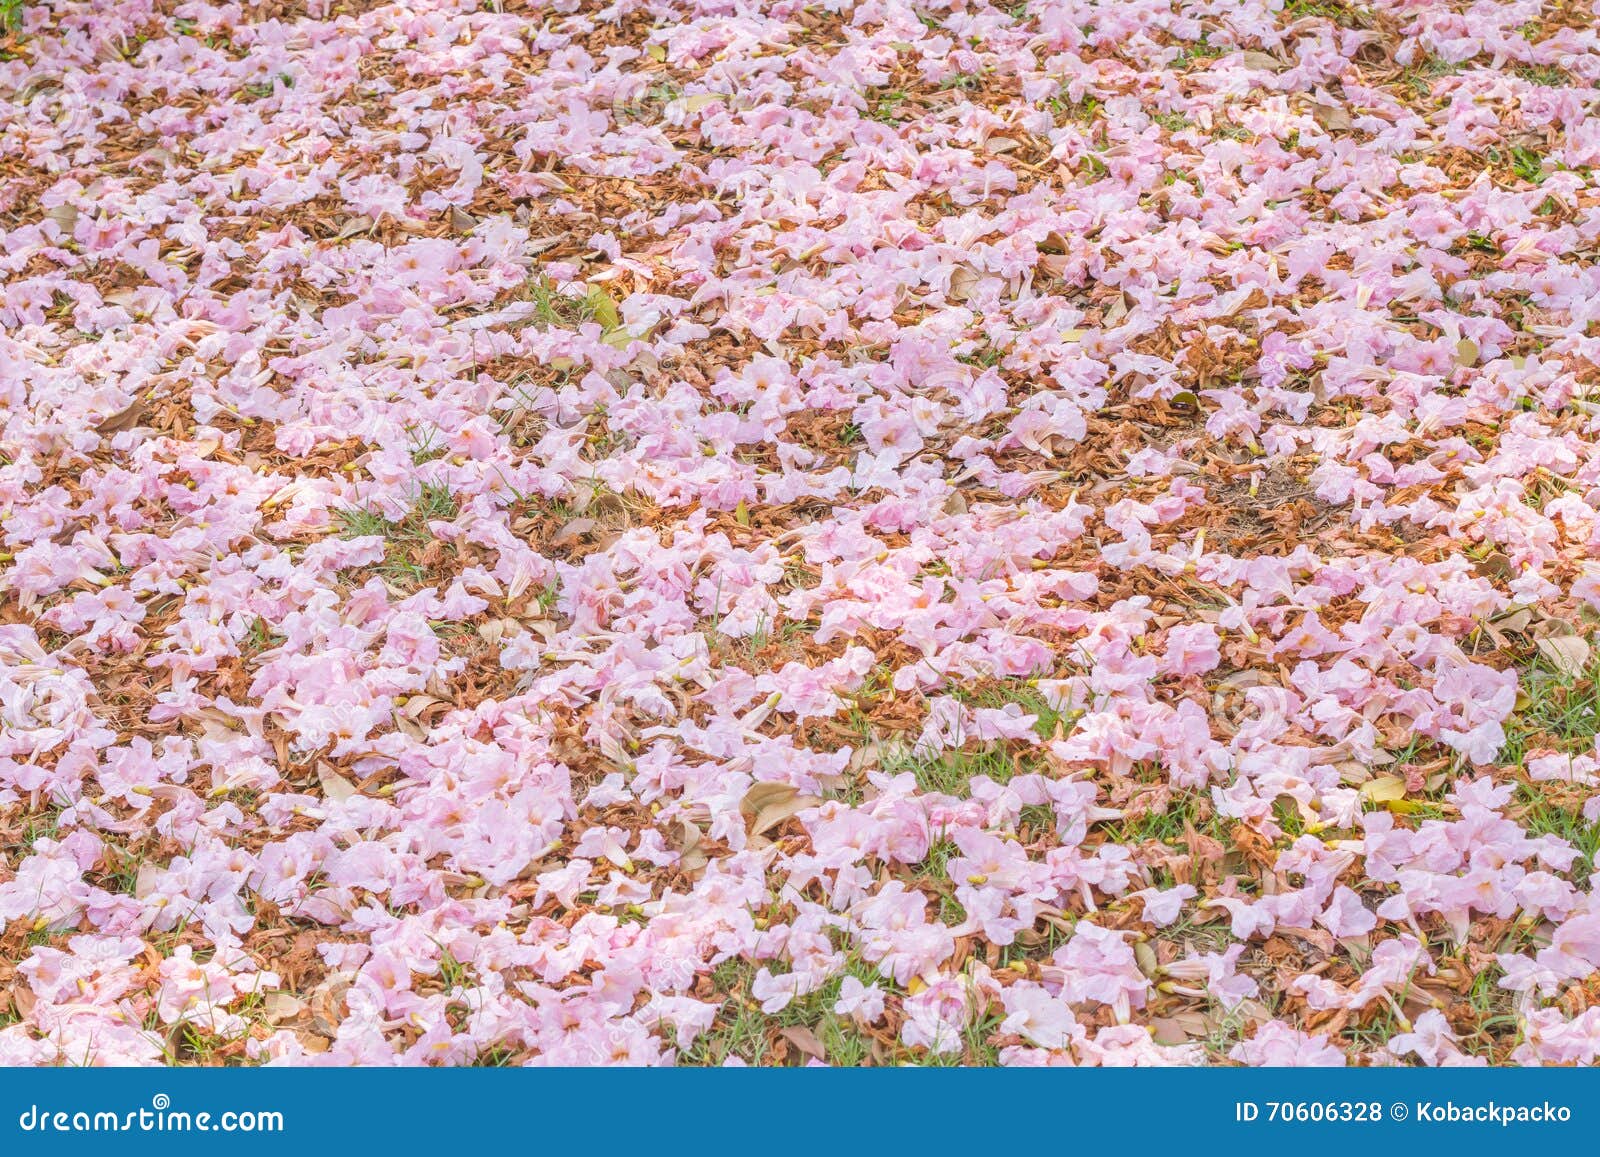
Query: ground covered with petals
[{"x": 865, "y": 533}]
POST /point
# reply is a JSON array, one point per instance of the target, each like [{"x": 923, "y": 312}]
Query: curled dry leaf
[
  {"x": 23, "y": 999},
  {"x": 1333, "y": 117},
  {"x": 147, "y": 880},
  {"x": 65, "y": 216},
  {"x": 766, "y": 805},
  {"x": 687, "y": 838},
  {"x": 129, "y": 417},
  {"x": 1264, "y": 61},
  {"x": 574, "y": 532},
  {"x": 326, "y": 1003},
  {"x": 281, "y": 1008},
  {"x": 335, "y": 787},
  {"x": 1568, "y": 654},
  {"x": 803, "y": 1039}
]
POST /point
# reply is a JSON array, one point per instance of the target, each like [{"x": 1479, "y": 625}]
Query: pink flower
[
  {"x": 1098, "y": 966},
  {"x": 862, "y": 1002},
  {"x": 1192, "y": 650},
  {"x": 1223, "y": 983},
  {"x": 1346, "y": 915},
  {"x": 1163, "y": 905},
  {"x": 1433, "y": 1042},
  {"x": 1038, "y": 1017},
  {"x": 936, "y": 1017},
  {"x": 1276, "y": 1044}
]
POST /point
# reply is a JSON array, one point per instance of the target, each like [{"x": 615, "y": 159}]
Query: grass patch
[
  {"x": 260, "y": 637},
  {"x": 1165, "y": 826},
  {"x": 742, "y": 1030},
  {"x": 884, "y": 105},
  {"x": 746, "y": 650},
  {"x": 952, "y": 772},
  {"x": 1547, "y": 75},
  {"x": 1556, "y": 710},
  {"x": 555, "y": 310},
  {"x": 498, "y": 1057},
  {"x": 426, "y": 448},
  {"x": 1024, "y": 695},
  {"x": 407, "y": 542},
  {"x": 1201, "y": 49},
  {"x": 1526, "y": 164},
  {"x": 1420, "y": 77},
  {"x": 1497, "y": 1023},
  {"x": 1326, "y": 9},
  {"x": 1036, "y": 821},
  {"x": 1542, "y": 814},
  {"x": 932, "y": 874},
  {"x": 655, "y": 98},
  {"x": 1561, "y": 711},
  {"x": 1083, "y": 112},
  {"x": 261, "y": 89}
]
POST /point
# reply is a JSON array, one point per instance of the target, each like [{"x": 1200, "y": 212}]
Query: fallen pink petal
[{"x": 868, "y": 533}]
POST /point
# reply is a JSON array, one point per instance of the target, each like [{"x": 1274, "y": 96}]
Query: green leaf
[{"x": 603, "y": 308}]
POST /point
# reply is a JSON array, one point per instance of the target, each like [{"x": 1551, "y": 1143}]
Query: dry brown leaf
[
  {"x": 128, "y": 418},
  {"x": 1169, "y": 1030},
  {"x": 573, "y": 531},
  {"x": 687, "y": 838},
  {"x": 335, "y": 787},
  {"x": 417, "y": 704},
  {"x": 353, "y": 227},
  {"x": 763, "y": 794},
  {"x": 1496, "y": 565},
  {"x": 280, "y": 1007},
  {"x": 766, "y": 805},
  {"x": 805, "y": 1040},
  {"x": 1333, "y": 117},
  {"x": 65, "y": 216},
  {"x": 147, "y": 879},
  {"x": 1264, "y": 61},
  {"x": 962, "y": 282},
  {"x": 1145, "y": 957},
  {"x": 1569, "y": 654},
  {"x": 327, "y": 1005},
  {"x": 770, "y": 817}
]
